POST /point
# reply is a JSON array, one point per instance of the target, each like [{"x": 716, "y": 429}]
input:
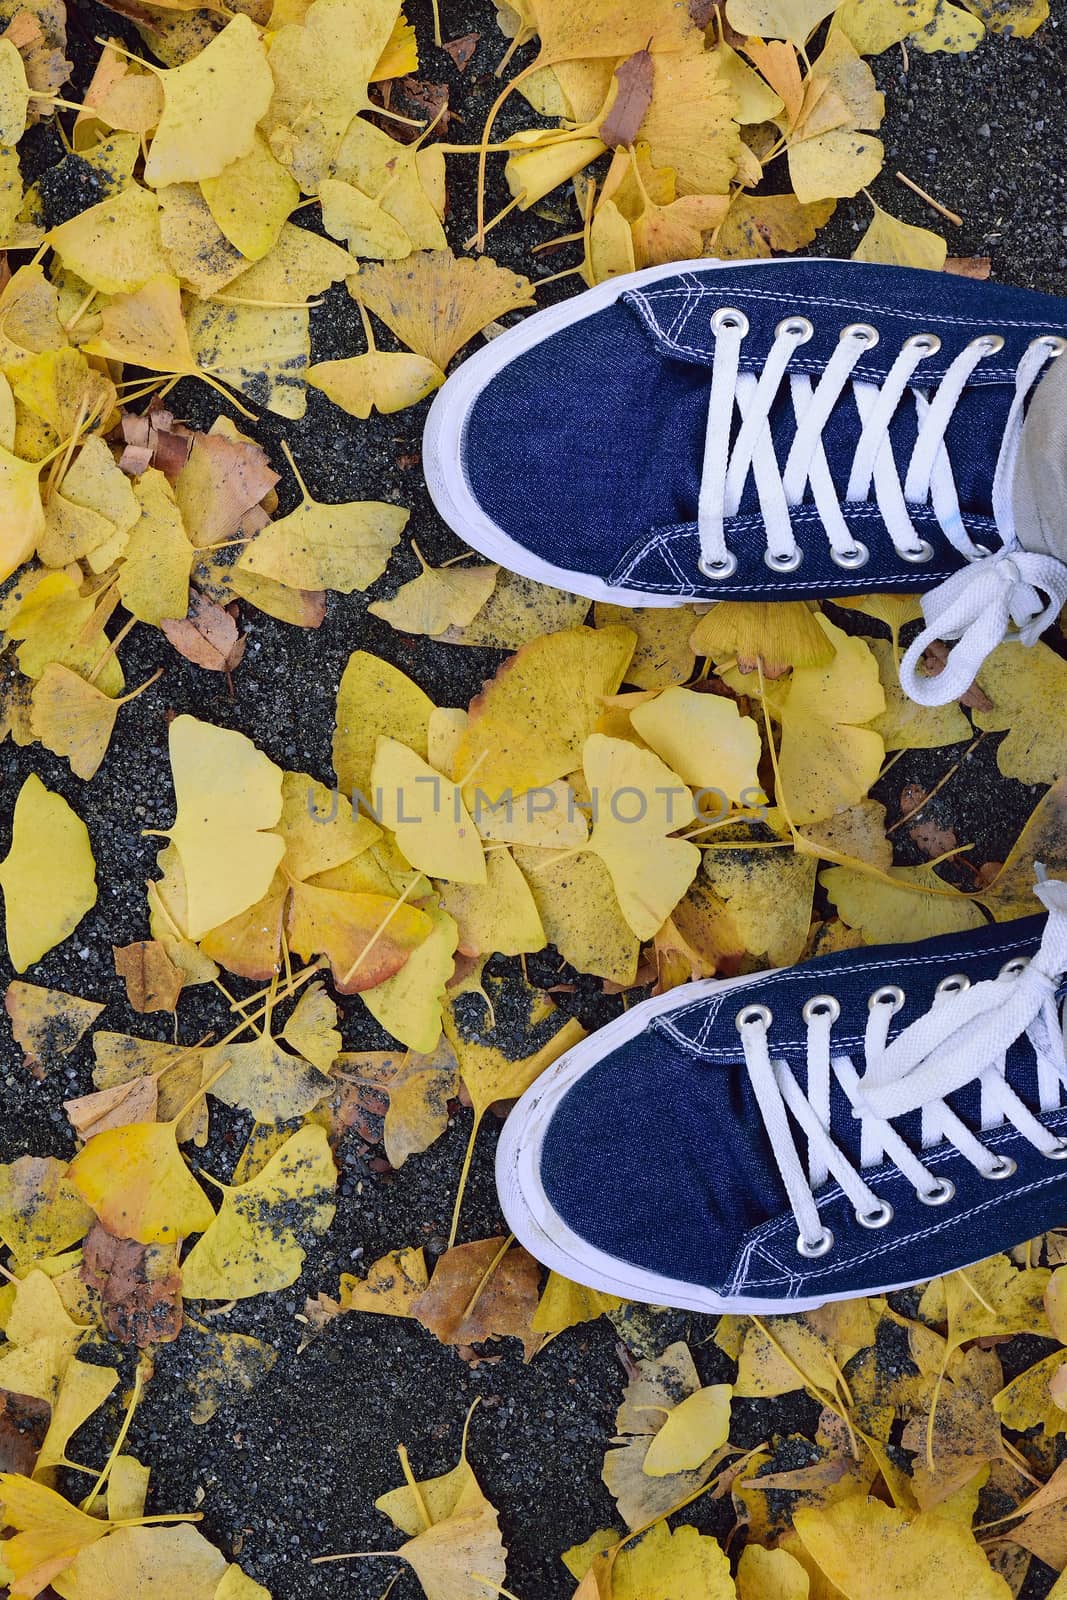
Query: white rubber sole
[
  {"x": 443, "y": 441},
  {"x": 543, "y": 1232}
]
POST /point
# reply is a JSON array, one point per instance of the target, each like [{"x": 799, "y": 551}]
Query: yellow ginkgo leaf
[
  {"x": 770, "y": 1575},
  {"x": 499, "y": 916},
  {"x": 871, "y": 1551},
  {"x": 251, "y": 199},
  {"x": 898, "y": 244},
  {"x": 530, "y": 723},
  {"x": 175, "y": 1560},
  {"x": 408, "y": 1005},
  {"x": 564, "y": 1304},
  {"x": 94, "y": 484},
  {"x": 638, "y": 802},
  {"x": 407, "y": 181},
  {"x": 691, "y": 1565},
  {"x": 368, "y": 230},
  {"x": 73, "y": 718},
  {"x": 21, "y": 513},
  {"x": 48, "y": 1533},
  {"x": 534, "y": 172},
  {"x": 320, "y": 546},
  {"x": 366, "y": 937},
  {"x": 380, "y": 380},
  {"x": 610, "y": 250},
  {"x": 693, "y": 1431},
  {"x": 922, "y": 907},
  {"x": 263, "y": 351},
  {"x": 14, "y": 94},
  {"x": 48, "y": 876},
  {"x": 435, "y": 303},
  {"x": 660, "y": 1384},
  {"x": 518, "y": 610},
  {"x": 114, "y": 246},
  {"x": 828, "y": 156},
  {"x": 438, "y": 599},
  {"x": 135, "y": 1180},
  {"x": 579, "y": 911},
  {"x": 758, "y": 225},
  {"x": 1026, "y": 688},
  {"x": 41, "y": 1213},
  {"x": 426, "y": 814},
  {"x": 795, "y": 20},
  {"x": 662, "y": 655},
  {"x": 704, "y": 739},
  {"x": 827, "y": 761},
  {"x": 1020, "y": 18},
  {"x": 61, "y": 387},
  {"x": 1029, "y": 1400},
  {"x": 374, "y": 698},
  {"x": 690, "y": 128},
  {"x": 266, "y": 1080},
  {"x": 301, "y": 265},
  {"x": 197, "y": 250},
  {"x": 608, "y": 27},
  {"x": 211, "y": 106},
  {"x": 153, "y": 580},
  {"x": 906, "y": 725},
  {"x": 226, "y": 793},
  {"x": 454, "y": 1537},
  {"x": 391, "y": 1284},
  {"x": 319, "y": 827},
  {"x": 146, "y": 328},
  {"x": 254, "y": 1244},
  {"x": 55, "y": 622}
]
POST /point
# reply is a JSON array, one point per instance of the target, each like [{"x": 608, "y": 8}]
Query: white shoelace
[
  {"x": 965, "y": 1036},
  {"x": 979, "y": 605}
]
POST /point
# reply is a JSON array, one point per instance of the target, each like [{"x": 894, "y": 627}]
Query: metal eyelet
[
  {"x": 919, "y": 554},
  {"x": 857, "y": 556},
  {"x": 1052, "y": 342},
  {"x": 748, "y": 1014},
  {"x": 880, "y": 1217},
  {"x": 888, "y": 995},
  {"x": 863, "y": 333},
  {"x": 798, "y": 328},
  {"x": 956, "y": 984},
  {"x": 821, "y": 1005},
  {"x": 817, "y": 1247},
  {"x": 942, "y": 1192},
  {"x": 729, "y": 320},
  {"x": 1013, "y": 968},
  {"x": 1058, "y": 1151},
  {"x": 1003, "y": 1168},
  {"x": 788, "y": 563},
  {"x": 718, "y": 570},
  {"x": 988, "y": 343},
  {"x": 928, "y": 343}
]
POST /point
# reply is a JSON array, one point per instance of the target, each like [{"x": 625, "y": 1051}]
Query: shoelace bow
[
  {"x": 965, "y": 1036},
  {"x": 979, "y": 605}
]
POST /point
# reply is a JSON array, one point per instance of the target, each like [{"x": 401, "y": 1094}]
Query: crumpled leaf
[
  {"x": 391, "y": 1285},
  {"x": 211, "y": 106},
  {"x": 435, "y": 303},
  {"x": 139, "y": 1287},
  {"x": 631, "y": 99},
  {"x": 48, "y": 875},
  {"x": 227, "y": 793},
  {"x": 828, "y": 156},
  {"x": 153, "y": 982},
  {"x": 254, "y": 1245}
]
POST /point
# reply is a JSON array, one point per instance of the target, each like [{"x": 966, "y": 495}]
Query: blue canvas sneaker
[
  {"x": 861, "y": 1122},
  {"x": 775, "y": 430}
]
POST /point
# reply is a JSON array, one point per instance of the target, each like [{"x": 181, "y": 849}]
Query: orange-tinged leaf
[
  {"x": 136, "y": 1182},
  {"x": 481, "y": 1291},
  {"x": 366, "y": 937}
]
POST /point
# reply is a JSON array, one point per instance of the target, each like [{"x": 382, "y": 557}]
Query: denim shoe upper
[
  {"x": 588, "y": 447},
  {"x": 659, "y": 1153}
]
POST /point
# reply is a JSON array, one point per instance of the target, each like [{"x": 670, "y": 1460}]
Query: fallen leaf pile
[{"x": 631, "y": 799}]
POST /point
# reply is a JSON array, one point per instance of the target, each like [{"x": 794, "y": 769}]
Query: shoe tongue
[{"x": 1039, "y": 488}]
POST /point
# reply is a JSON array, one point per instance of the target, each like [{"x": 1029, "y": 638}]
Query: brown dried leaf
[
  {"x": 969, "y": 266},
  {"x": 23, "y": 1425},
  {"x": 477, "y": 1293},
  {"x": 153, "y": 982},
  {"x": 207, "y": 635},
  {"x": 117, "y": 1107},
  {"x": 633, "y": 96},
  {"x": 462, "y": 49},
  {"x": 221, "y": 482},
  {"x": 139, "y": 1287}
]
